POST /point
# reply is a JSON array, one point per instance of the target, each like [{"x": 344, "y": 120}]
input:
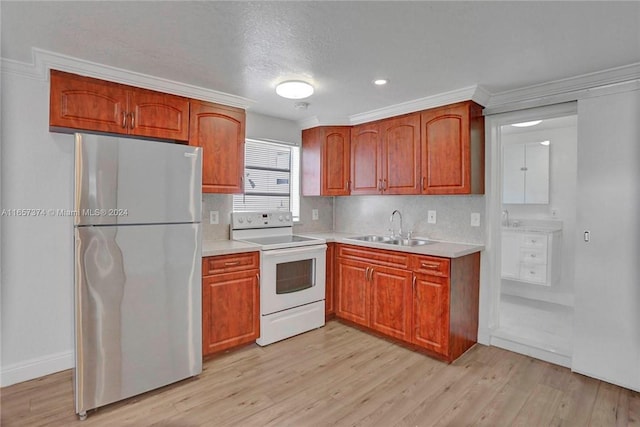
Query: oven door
[{"x": 292, "y": 277}]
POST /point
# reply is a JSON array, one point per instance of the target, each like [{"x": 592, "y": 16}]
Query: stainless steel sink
[
  {"x": 394, "y": 241},
  {"x": 372, "y": 238}
]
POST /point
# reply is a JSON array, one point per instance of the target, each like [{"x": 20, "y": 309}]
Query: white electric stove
[{"x": 292, "y": 274}]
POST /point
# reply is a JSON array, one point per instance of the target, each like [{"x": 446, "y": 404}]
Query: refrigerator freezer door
[
  {"x": 133, "y": 181},
  {"x": 138, "y": 310}
]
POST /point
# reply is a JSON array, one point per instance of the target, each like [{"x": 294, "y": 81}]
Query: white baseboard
[
  {"x": 34, "y": 368},
  {"x": 530, "y": 350}
]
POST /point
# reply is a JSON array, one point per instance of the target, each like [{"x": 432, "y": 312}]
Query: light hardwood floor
[{"x": 340, "y": 376}]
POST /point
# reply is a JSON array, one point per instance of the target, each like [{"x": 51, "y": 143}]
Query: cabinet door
[
  {"x": 329, "y": 302},
  {"x": 89, "y": 104},
  {"x": 510, "y": 255},
  {"x": 219, "y": 130},
  {"x": 158, "y": 115},
  {"x": 391, "y": 302},
  {"x": 431, "y": 313},
  {"x": 513, "y": 170},
  {"x": 365, "y": 159},
  {"x": 537, "y": 173},
  {"x": 230, "y": 310},
  {"x": 401, "y": 155},
  {"x": 335, "y": 161},
  {"x": 353, "y": 291},
  {"x": 453, "y": 149}
]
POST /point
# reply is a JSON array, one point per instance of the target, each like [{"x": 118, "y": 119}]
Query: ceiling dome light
[
  {"x": 380, "y": 82},
  {"x": 545, "y": 142},
  {"x": 294, "y": 89},
  {"x": 527, "y": 124}
]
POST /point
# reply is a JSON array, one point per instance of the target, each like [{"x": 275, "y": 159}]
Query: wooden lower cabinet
[
  {"x": 330, "y": 290},
  {"x": 391, "y": 301},
  {"x": 428, "y": 302},
  {"x": 230, "y": 301}
]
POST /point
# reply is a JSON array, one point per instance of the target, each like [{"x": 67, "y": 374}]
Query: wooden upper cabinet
[
  {"x": 401, "y": 155},
  {"x": 453, "y": 149},
  {"x": 84, "y": 103},
  {"x": 366, "y": 162},
  {"x": 158, "y": 115},
  {"x": 325, "y": 161},
  {"x": 220, "y": 131}
]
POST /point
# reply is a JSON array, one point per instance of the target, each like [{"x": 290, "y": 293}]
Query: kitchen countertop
[
  {"x": 226, "y": 247},
  {"x": 440, "y": 248}
]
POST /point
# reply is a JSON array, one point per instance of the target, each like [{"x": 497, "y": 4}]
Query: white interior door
[{"x": 607, "y": 274}]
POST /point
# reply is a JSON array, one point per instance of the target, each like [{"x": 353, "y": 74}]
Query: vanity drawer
[
  {"x": 534, "y": 273},
  {"x": 533, "y": 256},
  {"x": 537, "y": 241},
  {"x": 430, "y": 265},
  {"x": 230, "y": 263}
]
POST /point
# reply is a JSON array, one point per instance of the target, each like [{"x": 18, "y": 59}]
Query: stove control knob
[
  {"x": 249, "y": 219},
  {"x": 280, "y": 218},
  {"x": 240, "y": 220},
  {"x": 288, "y": 218}
]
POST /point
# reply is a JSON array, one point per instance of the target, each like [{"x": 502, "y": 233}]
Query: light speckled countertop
[{"x": 440, "y": 248}]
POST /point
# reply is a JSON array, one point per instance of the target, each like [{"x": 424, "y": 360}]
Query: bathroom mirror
[{"x": 525, "y": 172}]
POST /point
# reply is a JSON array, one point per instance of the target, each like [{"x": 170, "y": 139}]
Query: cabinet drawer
[
  {"x": 533, "y": 256},
  {"x": 534, "y": 273},
  {"x": 534, "y": 241},
  {"x": 430, "y": 265},
  {"x": 374, "y": 256},
  {"x": 230, "y": 263}
]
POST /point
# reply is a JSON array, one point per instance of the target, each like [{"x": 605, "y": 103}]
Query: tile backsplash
[{"x": 370, "y": 215}]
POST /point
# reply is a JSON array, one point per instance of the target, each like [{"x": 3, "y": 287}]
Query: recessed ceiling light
[
  {"x": 380, "y": 82},
  {"x": 545, "y": 142},
  {"x": 527, "y": 124},
  {"x": 294, "y": 89}
]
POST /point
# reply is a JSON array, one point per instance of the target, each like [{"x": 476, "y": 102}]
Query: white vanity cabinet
[{"x": 528, "y": 255}]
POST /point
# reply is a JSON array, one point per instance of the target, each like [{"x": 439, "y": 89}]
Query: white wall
[{"x": 37, "y": 273}]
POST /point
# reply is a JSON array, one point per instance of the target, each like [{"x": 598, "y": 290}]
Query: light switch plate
[
  {"x": 214, "y": 217},
  {"x": 431, "y": 217},
  {"x": 314, "y": 214},
  {"x": 475, "y": 219}
]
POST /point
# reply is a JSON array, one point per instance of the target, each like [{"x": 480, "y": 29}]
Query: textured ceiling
[{"x": 245, "y": 48}]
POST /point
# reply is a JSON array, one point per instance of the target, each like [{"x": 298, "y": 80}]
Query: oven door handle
[{"x": 295, "y": 250}]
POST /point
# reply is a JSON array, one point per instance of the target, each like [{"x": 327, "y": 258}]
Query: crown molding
[
  {"x": 44, "y": 60},
  {"x": 458, "y": 95},
  {"x": 563, "y": 90}
]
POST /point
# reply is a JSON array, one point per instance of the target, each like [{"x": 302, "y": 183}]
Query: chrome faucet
[
  {"x": 505, "y": 218},
  {"x": 391, "y": 224}
]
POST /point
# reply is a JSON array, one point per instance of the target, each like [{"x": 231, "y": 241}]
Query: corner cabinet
[
  {"x": 83, "y": 103},
  {"x": 230, "y": 301},
  {"x": 453, "y": 149},
  {"x": 325, "y": 161},
  {"x": 429, "y": 303},
  {"x": 220, "y": 131}
]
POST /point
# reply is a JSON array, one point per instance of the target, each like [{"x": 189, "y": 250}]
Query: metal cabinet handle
[
  {"x": 230, "y": 264},
  {"x": 379, "y": 185},
  {"x": 413, "y": 283},
  {"x": 133, "y": 120},
  {"x": 424, "y": 182},
  {"x": 258, "y": 277},
  {"x": 371, "y": 274},
  {"x": 384, "y": 188},
  {"x": 366, "y": 273},
  {"x": 124, "y": 120}
]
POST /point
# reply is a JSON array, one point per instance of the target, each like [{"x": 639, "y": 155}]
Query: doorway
[{"x": 531, "y": 207}]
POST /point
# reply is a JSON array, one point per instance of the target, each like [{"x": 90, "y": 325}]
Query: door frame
[{"x": 490, "y": 279}]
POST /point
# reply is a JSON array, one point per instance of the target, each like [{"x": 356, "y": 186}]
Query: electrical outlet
[
  {"x": 314, "y": 214},
  {"x": 475, "y": 219},
  {"x": 554, "y": 212},
  {"x": 214, "y": 217},
  {"x": 431, "y": 217}
]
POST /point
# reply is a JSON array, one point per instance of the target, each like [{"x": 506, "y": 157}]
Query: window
[{"x": 271, "y": 178}]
